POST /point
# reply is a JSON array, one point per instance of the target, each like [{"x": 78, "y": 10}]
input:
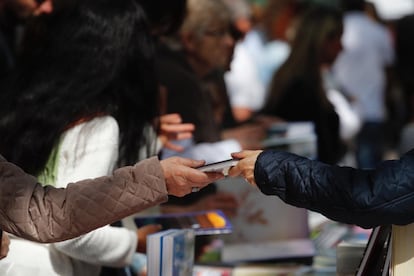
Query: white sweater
[{"x": 87, "y": 150}]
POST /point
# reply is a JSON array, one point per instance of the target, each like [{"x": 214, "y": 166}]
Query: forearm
[
  {"x": 47, "y": 214},
  {"x": 363, "y": 197}
]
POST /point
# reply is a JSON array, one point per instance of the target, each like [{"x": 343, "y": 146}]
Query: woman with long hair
[
  {"x": 82, "y": 103},
  {"x": 297, "y": 90}
]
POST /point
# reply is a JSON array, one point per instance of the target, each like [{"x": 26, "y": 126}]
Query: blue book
[
  {"x": 171, "y": 252},
  {"x": 178, "y": 253},
  {"x": 155, "y": 252}
]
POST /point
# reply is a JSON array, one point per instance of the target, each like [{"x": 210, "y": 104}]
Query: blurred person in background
[
  {"x": 404, "y": 45},
  {"x": 259, "y": 54},
  {"x": 191, "y": 66},
  {"x": 298, "y": 91},
  {"x": 362, "y": 72}
]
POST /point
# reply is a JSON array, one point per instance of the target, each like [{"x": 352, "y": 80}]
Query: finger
[
  {"x": 177, "y": 136},
  {"x": 239, "y": 155},
  {"x": 174, "y": 147},
  {"x": 187, "y": 162},
  {"x": 234, "y": 171},
  {"x": 176, "y": 128},
  {"x": 174, "y": 118},
  {"x": 183, "y": 135},
  {"x": 201, "y": 179}
]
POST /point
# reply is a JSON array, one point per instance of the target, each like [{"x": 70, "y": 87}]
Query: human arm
[
  {"x": 367, "y": 198},
  {"x": 48, "y": 214}
]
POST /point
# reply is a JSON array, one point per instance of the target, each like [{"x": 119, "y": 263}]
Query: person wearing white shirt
[{"x": 360, "y": 70}]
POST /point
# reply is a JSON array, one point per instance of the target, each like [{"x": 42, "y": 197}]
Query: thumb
[{"x": 191, "y": 162}]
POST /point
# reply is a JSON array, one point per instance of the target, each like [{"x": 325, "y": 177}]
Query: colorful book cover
[{"x": 203, "y": 222}]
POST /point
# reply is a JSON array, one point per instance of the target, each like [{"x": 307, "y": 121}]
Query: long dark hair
[
  {"x": 93, "y": 57},
  {"x": 317, "y": 25}
]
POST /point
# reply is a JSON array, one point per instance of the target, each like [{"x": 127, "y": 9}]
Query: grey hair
[{"x": 201, "y": 13}]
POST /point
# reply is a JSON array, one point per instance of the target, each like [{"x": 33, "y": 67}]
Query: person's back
[{"x": 81, "y": 76}]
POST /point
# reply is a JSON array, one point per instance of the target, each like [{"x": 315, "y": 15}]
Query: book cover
[
  {"x": 178, "y": 253},
  {"x": 155, "y": 251},
  {"x": 202, "y": 222}
]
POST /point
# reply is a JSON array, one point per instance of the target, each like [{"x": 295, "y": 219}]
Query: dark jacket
[{"x": 367, "y": 198}]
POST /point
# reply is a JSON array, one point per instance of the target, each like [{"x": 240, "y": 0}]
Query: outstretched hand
[
  {"x": 181, "y": 175},
  {"x": 245, "y": 166}
]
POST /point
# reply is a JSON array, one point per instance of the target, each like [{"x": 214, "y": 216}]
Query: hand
[
  {"x": 142, "y": 234},
  {"x": 181, "y": 176},
  {"x": 5, "y": 243},
  {"x": 246, "y": 164},
  {"x": 172, "y": 128}
]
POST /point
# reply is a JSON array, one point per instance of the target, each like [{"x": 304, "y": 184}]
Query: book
[
  {"x": 171, "y": 252},
  {"x": 178, "y": 253},
  {"x": 202, "y": 222},
  {"x": 375, "y": 254},
  {"x": 221, "y": 166},
  {"x": 402, "y": 258},
  {"x": 154, "y": 252},
  {"x": 293, "y": 250}
]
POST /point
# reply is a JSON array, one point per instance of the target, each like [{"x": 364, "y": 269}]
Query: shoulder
[
  {"x": 102, "y": 125},
  {"x": 96, "y": 132}
]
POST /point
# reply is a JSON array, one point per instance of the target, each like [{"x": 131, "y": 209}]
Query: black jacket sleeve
[{"x": 367, "y": 198}]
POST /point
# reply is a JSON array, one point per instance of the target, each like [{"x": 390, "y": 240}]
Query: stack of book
[{"x": 171, "y": 252}]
